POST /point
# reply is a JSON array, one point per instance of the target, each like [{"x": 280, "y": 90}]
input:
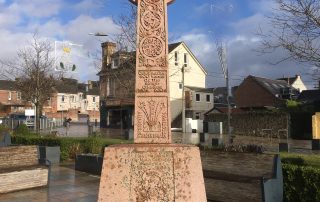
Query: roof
[
  {"x": 202, "y": 90},
  {"x": 309, "y": 96},
  {"x": 94, "y": 91},
  {"x": 273, "y": 86},
  {"x": 7, "y": 85},
  {"x": 289, "y": 80},
  {"x": 67, "y": 85},
  {"x": 173, "y": 46},
  {"x": 223, "y": 110}
]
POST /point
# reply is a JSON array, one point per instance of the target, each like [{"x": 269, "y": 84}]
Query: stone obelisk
[{"x": 152, "y": 169}]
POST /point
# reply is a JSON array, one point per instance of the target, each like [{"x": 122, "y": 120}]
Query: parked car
[{"x": 28, "y": 120}]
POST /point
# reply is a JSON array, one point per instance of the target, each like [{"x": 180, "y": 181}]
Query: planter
[
  {"x": 49, "y": 153},
  {"x": 89, "y": 163},
  {"x": 5, "y": 140}
]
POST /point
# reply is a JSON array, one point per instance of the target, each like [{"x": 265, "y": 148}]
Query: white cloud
[{"x": 36, "y": 8}]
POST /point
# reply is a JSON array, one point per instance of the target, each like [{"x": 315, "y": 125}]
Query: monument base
[{"x": 152, "y": 172}]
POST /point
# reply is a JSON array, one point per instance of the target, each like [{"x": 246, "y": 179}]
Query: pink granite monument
[{"x": 152, "y": 169}]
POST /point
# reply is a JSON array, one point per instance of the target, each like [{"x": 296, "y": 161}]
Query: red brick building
[
  {"x": 261, "y": 93},
  {"x": 10, "y": 99}
]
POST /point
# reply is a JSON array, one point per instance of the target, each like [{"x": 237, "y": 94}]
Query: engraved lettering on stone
[
  {"x": 151, "y": 47},
  {"x": 153, "y": 81},
  {"x": 152, "y": 176}
]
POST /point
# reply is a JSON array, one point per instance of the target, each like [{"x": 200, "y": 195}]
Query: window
[
  {"x": 197, "y": 115},
  {"x": 208, "y": 98},
  {"x": 72, "y": 98},
  {"x": 9, "y": 95},
  {"x": 115, "y": 63},
  {"x": 176, "y": 55},
  {"x": 93, "y": 99},
  {"x": 62, "y": 98},
  {"x": 180, "y": 85},
  {"x": 110, "y": 87},
  {"x": 197, "y": 97},
  {"x": 18, "y": 95},
  {"x": 185, "y": 59}
]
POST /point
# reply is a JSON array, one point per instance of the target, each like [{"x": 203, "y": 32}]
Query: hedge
[
  {"x": 69, "y": 146},
  {"x": 301, "y": 183}
]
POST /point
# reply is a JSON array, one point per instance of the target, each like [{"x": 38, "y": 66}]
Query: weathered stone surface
[
  {"x": 159, "y": 171},
  {"x": 152, "y": 110},
  {"x": 316, "y": 126},
  {"x": 149, "y": 172}
]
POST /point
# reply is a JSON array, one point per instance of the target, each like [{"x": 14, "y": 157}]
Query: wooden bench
[
  {"x": 20, "y": 169},
  {"x": 231, "y": 176}
]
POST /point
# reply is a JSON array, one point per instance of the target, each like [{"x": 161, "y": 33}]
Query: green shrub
[
  {"x": 69, "y": 146},
  {"x": 4, "y": 129},
  {"x": 22, "y": 130},
  {"x": 301, "y": 183}
]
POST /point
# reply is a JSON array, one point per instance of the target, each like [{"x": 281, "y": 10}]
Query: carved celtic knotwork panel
[
  {"x": 151, "y": 20},
  {"x": 151, "y": 47}
]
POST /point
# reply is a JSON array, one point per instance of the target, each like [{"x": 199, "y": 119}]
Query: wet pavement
[{"x": 66, "y": 184}]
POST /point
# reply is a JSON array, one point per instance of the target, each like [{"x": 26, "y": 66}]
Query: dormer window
[{"x": 115, "y": 63}]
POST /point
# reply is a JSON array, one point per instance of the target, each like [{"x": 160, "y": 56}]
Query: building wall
[
  {"x": 299, "y": 85},
  {"x": 194, "y": 76},
  {"x": 251, "y": 95},
  {"x": 13, "y": 105}
]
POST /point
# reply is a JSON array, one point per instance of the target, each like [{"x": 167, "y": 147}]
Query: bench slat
[
  {"x": 19, "y": 180},
  {"x": 17, "y": 156},
  {"x": 220, "y": 190}
]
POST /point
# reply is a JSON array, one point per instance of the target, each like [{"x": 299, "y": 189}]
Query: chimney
[
  {"x": 90, "y": 85},
  {"x": 108, "y": 48}
]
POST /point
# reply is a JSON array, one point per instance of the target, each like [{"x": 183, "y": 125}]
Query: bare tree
[
  {"x": 296, "y": 28},
  {"x": 33, "y": 72}
]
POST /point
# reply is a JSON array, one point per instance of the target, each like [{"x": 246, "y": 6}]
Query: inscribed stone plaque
[{"x": 152, "y": 176}]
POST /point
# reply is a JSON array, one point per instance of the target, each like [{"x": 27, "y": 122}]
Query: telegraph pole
[
  {"x": 183, "y": 103},
  {"x": 222, "y": 53}
]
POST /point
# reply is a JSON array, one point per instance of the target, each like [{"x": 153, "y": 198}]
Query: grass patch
[{"x": 312, "y": 160}]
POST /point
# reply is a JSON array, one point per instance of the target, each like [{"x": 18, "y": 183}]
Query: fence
[{"x": 45, "y": 123}]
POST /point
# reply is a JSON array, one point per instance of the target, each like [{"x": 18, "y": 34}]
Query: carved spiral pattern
[
  {"x": 151, "y": 47},
  {"x": 151, "y": 20}
]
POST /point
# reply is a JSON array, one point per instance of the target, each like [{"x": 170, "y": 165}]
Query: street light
[{"x": 98, "y": 34}]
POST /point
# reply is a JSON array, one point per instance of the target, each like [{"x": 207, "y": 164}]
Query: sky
[{"x": 199, "y": 23}]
